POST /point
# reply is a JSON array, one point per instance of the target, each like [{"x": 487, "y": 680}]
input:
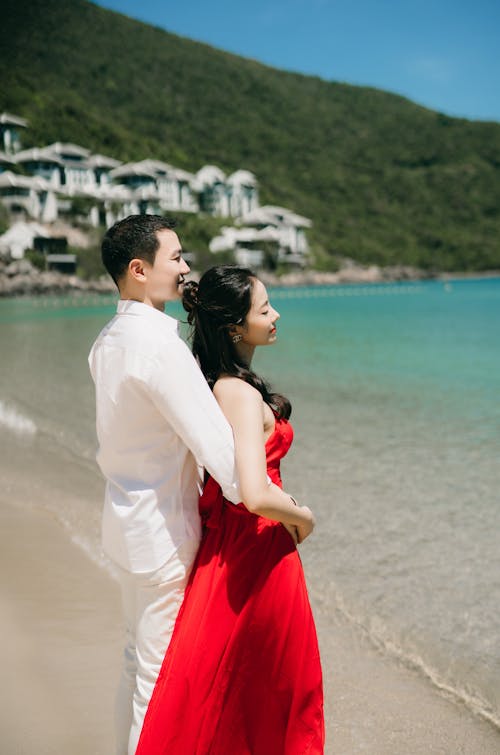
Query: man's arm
[{"x": 182, "y": 395}]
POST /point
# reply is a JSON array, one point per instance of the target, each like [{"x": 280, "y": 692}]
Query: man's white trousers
[{"x": 151, "y": 602}]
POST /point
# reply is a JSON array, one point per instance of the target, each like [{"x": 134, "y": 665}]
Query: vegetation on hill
[{"x": 383, "y": 179}]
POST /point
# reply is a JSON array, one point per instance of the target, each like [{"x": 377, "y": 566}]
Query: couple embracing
[{"x": 221, "y": 653}]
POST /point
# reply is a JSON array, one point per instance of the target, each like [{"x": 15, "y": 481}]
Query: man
[{"x": 157, "y": 423}]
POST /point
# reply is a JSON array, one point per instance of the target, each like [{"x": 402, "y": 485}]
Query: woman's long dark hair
[{"x": 220, "y": 300}]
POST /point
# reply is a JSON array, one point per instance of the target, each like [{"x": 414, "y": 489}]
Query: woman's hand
[
  {"x": 292, "y": 530},
  {"x": 305, "y": 528},
  {"x": 299, "y": 532}
]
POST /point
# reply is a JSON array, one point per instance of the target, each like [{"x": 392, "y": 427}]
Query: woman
[{"x": 242, "y": 674}]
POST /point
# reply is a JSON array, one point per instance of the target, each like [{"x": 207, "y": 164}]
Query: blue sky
[{"x": 444, "y": 54}]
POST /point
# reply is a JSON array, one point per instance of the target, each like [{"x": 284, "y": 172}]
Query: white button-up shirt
[{"x": 158, "y": 423}]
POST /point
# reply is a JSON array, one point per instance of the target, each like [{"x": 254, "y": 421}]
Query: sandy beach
[{"x": 61, "y": 654}]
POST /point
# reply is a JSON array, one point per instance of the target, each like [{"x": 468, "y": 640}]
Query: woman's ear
[{"x": 235, "y": 333}]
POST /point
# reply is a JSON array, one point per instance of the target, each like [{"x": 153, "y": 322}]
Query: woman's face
[{"x": 259, "y": 327}]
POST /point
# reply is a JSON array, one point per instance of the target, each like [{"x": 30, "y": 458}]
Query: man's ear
[{"x": 136, "y": 269}]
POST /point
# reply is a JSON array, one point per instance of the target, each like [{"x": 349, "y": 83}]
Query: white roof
[
  {"x": 152, "y": 169},
  {"x": 158, "y": 166},
  {"x": 230, "y": 236},
  {"x": 46, "y": 154},
  {"x": 184, "y": 175},
  {"x": 116, "y": 192},
  {"x": 272, "y": 214},
  {"x": 13, "y": 120},
  {"x": 26, "y": 182},
  {"x": 209, "y": 174},
  {"x": 66, "y": 148},
  {"x": 134, "y": 169},
  {"x": 243, "y": 177},
  {"x": 102, "y": 161},
  {"x": 254, "y": 234}
]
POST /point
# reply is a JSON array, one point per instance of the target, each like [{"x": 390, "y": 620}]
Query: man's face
[{"x": 166, "y": 276}]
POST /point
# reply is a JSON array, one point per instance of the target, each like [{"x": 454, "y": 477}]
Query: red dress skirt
[{"x": 242, "y": 673}]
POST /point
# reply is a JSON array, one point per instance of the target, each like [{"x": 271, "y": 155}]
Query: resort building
[
  {"x": 66, "y": 181},
  {"x": 67, "y": 167},
  {"x": 290, "y": 227},
  {"x": 226, "y": 196},
  {"x": 158, "y": 186},
  {"x": 266, "y": 235},
  {"x": 30, "y": 197},
  {"x": 6, "y": 162},
  {"x": 10, "y": 140}
]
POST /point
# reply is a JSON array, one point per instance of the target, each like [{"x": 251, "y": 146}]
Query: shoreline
[
  {"x": 19, "y": 279},
  {"x": 62, "y": 648}
]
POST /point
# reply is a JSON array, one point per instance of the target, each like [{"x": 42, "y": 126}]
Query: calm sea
[{"x": 395, "y": 392}]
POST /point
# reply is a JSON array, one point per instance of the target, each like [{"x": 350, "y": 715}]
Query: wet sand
[{"x": 60, "y": 656}]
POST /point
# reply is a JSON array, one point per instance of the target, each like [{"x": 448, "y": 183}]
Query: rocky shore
[
  {"x": 350, "y": 272},
  {"x": 20, "y": 278}
]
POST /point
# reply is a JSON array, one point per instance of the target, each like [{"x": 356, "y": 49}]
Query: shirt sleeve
[{"x": 182, "y": 395}]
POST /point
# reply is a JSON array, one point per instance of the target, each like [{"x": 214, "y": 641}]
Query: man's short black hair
[{"x": 134, "y": 236}]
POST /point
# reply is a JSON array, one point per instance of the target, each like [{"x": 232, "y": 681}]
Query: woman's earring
[{"x": 237, "y": 337}]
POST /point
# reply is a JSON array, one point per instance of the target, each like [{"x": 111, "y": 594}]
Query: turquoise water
[{"x": 395, "y": 406}]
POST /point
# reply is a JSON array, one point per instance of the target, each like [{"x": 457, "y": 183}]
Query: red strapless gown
[{"x": 242, "y": 673}]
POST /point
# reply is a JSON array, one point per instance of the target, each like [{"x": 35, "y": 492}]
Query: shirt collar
[{"x": 129, "y": 306}]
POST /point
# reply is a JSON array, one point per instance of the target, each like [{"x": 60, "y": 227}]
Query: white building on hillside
[
  {"x": 266, "y": 235},
  {"x": 213, "y": 191},
  {"x": 158, "y": 186},
  {"x": 28, "y": 196},
  {"x": 66, "y": 179},
  {"x": 20, "y": 237},
  {"x": 290, "y": 226},
  {"x": 6, "y": 162},
  {"x": 102, "y": 165},
  {"x": 227, "y": 196},
  {"x": 244, "y": 195},
  {"x": 251, "y": 246},
  {"x": 67, "y": 167},
  {"x": 42, "y": 162},
  {"x": 10, "y": 140}
]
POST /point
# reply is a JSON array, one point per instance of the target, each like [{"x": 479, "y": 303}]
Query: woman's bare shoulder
[{"x": 229, "y": 388}]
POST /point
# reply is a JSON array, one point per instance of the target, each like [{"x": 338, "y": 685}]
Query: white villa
[
  {"x": 20, "y": 237},
  {"x": 158, "y": 186},
  {"x": 27, "y": 196},
  {"x": 10, "y": 140},
  {"x": 282, "y": 228},
  {"x": 227, "y": 196},
  {"x": 61, "y": 178}
]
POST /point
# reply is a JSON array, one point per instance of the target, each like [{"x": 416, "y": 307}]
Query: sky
[{"x": 443, "y": 54}]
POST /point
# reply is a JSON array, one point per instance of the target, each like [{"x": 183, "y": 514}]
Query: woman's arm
[{"x": 244, "y": 408}]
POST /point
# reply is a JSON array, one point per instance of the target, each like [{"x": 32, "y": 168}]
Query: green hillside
[{"x": 383, "y": 180}]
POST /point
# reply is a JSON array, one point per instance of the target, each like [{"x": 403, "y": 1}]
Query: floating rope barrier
[{"x": 339, "y": 291}]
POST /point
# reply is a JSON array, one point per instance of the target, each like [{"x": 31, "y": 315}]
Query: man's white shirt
[{"x": 158, "y": 424}]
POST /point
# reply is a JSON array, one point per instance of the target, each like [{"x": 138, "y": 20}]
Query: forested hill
[{"x": 384, "y": 180}]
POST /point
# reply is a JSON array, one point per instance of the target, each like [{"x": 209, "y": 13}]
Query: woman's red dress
[{"x": 242, "y": 673}]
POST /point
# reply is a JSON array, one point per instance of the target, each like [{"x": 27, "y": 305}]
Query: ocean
[{"x": 395, "y": 391}]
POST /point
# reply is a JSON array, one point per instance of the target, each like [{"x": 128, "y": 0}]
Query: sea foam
[{"x": 15, "y": 421}]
